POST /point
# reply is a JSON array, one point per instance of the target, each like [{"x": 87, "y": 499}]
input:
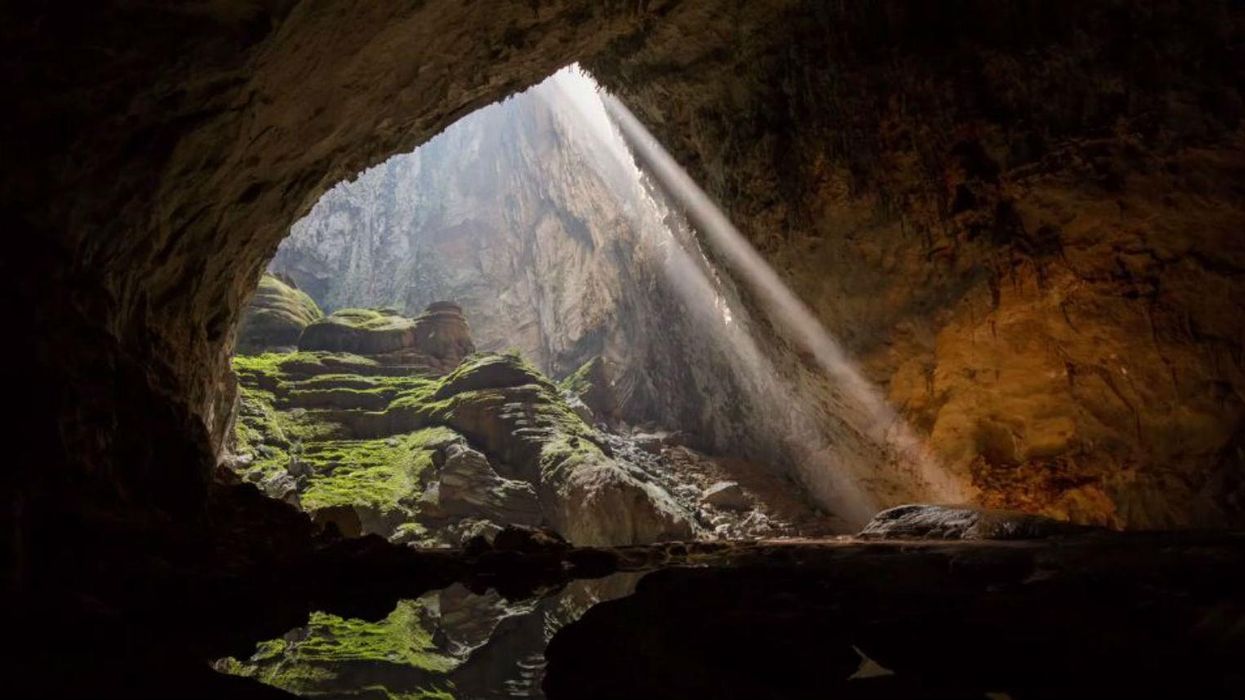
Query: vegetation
[
  {"x": 371, "y": 319},
  {"x": 579, "y": 382},
  {"x": 379, "y": 474},
  {"x": 309, "y": 660},
  {"x": 363, "y": 439},
  {"x": 277, "y": 315}
]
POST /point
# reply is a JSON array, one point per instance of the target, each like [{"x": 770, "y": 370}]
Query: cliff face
[
  {"x": 510, "y": 212},
  {"x": 1023, "y": 224}
]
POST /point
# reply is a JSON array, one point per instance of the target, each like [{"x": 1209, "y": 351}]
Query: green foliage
[
  {"x": 305, "y": 408},
  {"x": 275, "y": 317},
  {"x": 281, "y": 297}
]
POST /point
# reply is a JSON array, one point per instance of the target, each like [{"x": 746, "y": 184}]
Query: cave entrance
[{"x": 521, "y": 322}]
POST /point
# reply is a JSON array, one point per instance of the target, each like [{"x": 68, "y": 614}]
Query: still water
[{"x": 450, "y": 643}]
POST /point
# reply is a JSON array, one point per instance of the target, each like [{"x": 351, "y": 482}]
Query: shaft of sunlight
[{"x": 873, "y": 416}]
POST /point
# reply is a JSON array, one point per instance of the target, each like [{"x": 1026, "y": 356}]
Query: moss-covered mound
[
  {"x": 276, "y": 317},
  {"x": 362, "y": 331},
  {"x": 363, "y": 444}
]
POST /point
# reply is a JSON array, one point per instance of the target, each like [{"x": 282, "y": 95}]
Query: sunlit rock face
[
  {"x": 511, "y": 212},
  {"x": 1024, "y": 225}
]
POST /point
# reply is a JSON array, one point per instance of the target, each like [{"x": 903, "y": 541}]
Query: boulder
[
  {"x": 593, "y": 384},
  {"x": 726, "y": 495},
  {"x": 360, "y": 331},
  {"x": 442, "y": 334},
  {"x": 275, "y": 317},
  {"x": 964, "y": 523},
  {"x": 468, "y": 487},
  {"x": 530, "y": 540},
  {"x": 500, "y": 371}
]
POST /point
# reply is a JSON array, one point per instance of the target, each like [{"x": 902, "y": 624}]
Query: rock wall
[
  {"x": 1022, "y": 220},
  {"x": 510, "y": 212}
]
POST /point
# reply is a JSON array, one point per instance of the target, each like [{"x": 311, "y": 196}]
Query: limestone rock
[
  {"x": 442, "y": 333},
  {"x": 963, "y": 523},
  {"x": 275, "y": 317},
  {"x": 360, "y": 331},
  {"x": 727, "y": 495},
  {"x": 468, "y": 486},
  {"x": 491, "y": 372},
  {"x": 593, "y": 384}
]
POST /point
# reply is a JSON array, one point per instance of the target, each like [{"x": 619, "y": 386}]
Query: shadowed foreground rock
[{"x": 1106, "y": 615}]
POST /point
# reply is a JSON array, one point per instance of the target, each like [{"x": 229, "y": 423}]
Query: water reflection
[{"x": 450, "y": 643}]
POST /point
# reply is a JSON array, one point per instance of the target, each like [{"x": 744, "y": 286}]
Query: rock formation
[
  {"x": 384, "y": 424},
  {"x": 276, "y": 316}
]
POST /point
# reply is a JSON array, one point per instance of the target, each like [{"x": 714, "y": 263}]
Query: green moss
[
  {"x": 379, "y": 473},
  {"x": 275, "y": 317},
  {"x": 258, "y": 432},
  {"x": 304, "y": 406},
  {"x": 371, "y": 319},
  {"x": 579, "y": 382},
  {"x": 276, "y": 294}
]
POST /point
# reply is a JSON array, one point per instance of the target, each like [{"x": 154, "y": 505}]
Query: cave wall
[{"x": 1023, "y": 219}]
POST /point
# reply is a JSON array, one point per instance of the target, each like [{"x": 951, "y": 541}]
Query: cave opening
[{"x": 538, "y": 320}]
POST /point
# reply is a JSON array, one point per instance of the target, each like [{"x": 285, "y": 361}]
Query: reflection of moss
[
  {"x": 400, "y": 638},
  {"x": 318, "y": 658}
]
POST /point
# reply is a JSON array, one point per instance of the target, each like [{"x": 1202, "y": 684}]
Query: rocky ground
[{"x": 381, "y": 424}]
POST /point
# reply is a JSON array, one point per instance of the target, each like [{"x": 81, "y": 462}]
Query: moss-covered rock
[
  {"x": 362, "y": 331},
  {"x": 275, "y": 318},
  {"x": 365, "y": 440},
  {"x": 593, "y": 384}
]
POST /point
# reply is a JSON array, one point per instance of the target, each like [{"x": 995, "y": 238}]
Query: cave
[{"x": 988, "y": 254}]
